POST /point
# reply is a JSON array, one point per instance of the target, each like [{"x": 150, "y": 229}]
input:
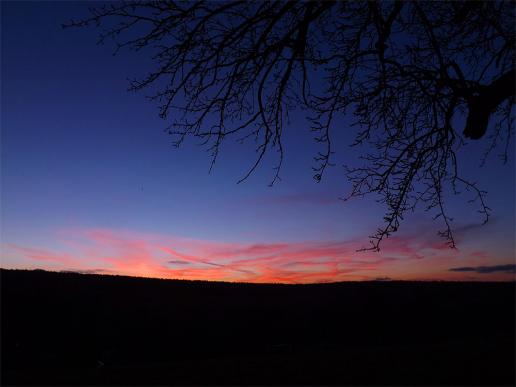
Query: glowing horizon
[{"x": 105, "y": 251}]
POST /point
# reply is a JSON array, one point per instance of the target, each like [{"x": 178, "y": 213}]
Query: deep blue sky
[{"x": 82, "y": 157}]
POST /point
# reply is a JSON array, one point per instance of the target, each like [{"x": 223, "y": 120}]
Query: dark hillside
[{"x": 66, "y": 328}]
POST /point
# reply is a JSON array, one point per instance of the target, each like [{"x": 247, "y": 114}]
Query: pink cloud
[
  {"x": 168, "y": 256},
  {"x": 42, "y": 254}
]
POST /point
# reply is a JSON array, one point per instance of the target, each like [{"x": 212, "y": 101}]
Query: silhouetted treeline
[{"x": 66, "y": 328}]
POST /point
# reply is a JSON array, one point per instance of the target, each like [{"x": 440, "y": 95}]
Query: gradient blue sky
[{"x": 90, "y": 182}]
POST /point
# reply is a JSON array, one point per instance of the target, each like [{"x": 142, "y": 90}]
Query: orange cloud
[{"x": 154, "y": 255}]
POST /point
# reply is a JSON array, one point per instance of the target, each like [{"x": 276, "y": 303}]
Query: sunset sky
[{"x": 90, "y": 182}]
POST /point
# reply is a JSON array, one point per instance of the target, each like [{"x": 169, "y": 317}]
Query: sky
[{"x": 90, "y": 182}]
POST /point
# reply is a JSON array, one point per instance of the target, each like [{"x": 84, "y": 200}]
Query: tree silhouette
[{"x": 418, "y": 77}]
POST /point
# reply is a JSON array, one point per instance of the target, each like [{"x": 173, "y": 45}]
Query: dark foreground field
[{"x": 73, "y": 329}]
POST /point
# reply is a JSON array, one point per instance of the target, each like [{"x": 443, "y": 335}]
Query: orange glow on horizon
[{"x": 106, "y": 251}]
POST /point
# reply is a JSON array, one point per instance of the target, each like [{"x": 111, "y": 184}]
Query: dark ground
[{"x": 59, "y": 328}]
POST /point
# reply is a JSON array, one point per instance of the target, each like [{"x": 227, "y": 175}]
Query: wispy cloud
[
  {"x": 177, "y": 262},
  {"x": 511, "y": 268},
  {"x": 321, "y": 198},
  {"x": 169, "y": 256},
  {"x": 382, "y": 279},
  {"x": 39, "y": 254}
]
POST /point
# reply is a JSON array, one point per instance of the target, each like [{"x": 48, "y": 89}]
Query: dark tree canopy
[{"x": 419, "y": 78}]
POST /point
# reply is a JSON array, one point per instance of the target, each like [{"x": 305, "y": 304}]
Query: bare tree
[{"x": 419, "y": 78}]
